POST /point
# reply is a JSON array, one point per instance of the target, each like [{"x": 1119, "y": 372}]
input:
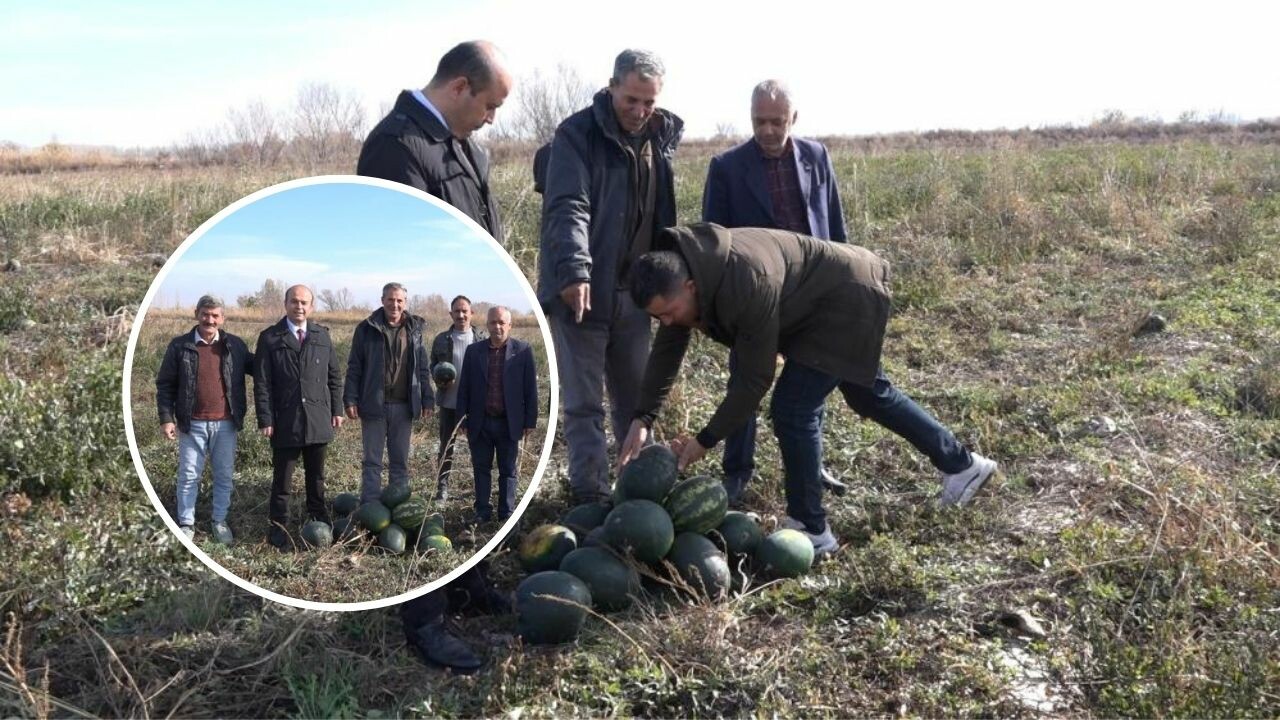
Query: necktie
[{"x": 302, "y": 336}]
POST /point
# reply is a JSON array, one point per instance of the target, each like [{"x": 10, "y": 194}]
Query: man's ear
[
  {"x": 458, "y": 85},
  {"x": 691, "y": 287}
]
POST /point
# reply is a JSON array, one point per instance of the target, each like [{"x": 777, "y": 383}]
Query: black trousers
[
  {"x": 448, "y": 418},
  {"x": 283, "y": 461},
  {"x": 428, "y": 609}
]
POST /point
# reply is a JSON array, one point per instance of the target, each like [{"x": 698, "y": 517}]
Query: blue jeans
[
  {"x": 390, "y": 433},
  {"x": 798, "y": 400},
  {"x": 216, "y": 441},
  {"x": 493, "y": 437}
]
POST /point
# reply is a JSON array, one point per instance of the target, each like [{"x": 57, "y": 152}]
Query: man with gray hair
[
  {"x": 777, "y": 181},
  {"x": 609, "y": 189},
  {"x": 201, "y": 396},
  {"x": 388, "y": 385}
]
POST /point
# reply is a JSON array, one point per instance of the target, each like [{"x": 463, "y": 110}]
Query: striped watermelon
[
  {"x": 410, "y": 514},
  {"x": 785, "y": 553},
  {"x": 697, "y": 505}
]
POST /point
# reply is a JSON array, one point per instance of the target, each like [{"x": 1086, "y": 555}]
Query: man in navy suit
[
  {"x": 498, "y": 396},
  {"x": 778, "y": 181}
]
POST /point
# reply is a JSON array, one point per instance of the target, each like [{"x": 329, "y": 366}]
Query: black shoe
[
  {"x": 435, "y": 645},
  {"x": 496, "y": 603},
  {"x": 832, "y": 484},
  {"x": 279, "y": 539}
]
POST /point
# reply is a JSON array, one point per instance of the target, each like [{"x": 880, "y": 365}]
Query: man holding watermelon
[
  {"x": 447, "y": 351},
  {"x": 823, "y": 306}
]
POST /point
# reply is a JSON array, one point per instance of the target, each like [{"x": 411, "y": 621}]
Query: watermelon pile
[
  {"x": 675, "y": 537},
  {"x": 398, "y": 521}
]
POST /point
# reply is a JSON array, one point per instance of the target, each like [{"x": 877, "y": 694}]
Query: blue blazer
[
  {"x": 519, "y": 386},
  {"x": 736, "y": 195}
]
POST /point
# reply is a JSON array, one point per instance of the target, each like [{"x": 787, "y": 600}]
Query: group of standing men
[
  {"x": 299, "y": 390},
  {"x": 768, "y": 273}
]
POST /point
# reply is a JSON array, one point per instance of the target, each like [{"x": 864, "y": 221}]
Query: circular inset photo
[{"x": 340, "y": 393}]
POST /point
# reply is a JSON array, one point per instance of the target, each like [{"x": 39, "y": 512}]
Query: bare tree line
[{"x": 325, "y": 125}]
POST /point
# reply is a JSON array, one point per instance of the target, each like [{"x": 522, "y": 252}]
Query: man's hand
[
  {"x": 637, "y": 434},
  {"x": 426, "y": 413},
  {"x": 353, "y": 412},
  {"x": 168, "y": 431},
  {"x": 578, "y": 297},
  {"x": 266, "y": 431},
  {"x": 337, "y": 421},
  {"x": 688, "y": 451}
]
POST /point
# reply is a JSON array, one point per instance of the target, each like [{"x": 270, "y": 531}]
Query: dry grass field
[{"x": 1137, "y": 520}]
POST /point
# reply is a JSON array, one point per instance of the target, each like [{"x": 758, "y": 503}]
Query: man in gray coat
[
  {"x": 297, "y": 390},
  {"x": 821, "y": 305},
  {"x": 449, "y": 347},
  {"x": 388, "y": 385},
  {"x": 609, "y": 190}
]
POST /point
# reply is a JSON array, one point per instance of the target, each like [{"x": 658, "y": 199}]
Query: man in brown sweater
[
  {"x": 200, "y": 394},
  {"x": 823, "y": 306}
]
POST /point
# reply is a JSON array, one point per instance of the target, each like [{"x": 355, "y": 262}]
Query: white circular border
[{"x": 477, "y": 556}]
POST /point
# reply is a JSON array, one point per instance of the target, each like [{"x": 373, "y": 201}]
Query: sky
[
  {"x": 343, "y": 235},
  {"x": 150, "y": 74}
]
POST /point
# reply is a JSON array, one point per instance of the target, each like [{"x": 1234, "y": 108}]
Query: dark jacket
[
  {"x": 176, "y": 381},
  {"x": 737, "y": 193},
  {"x": 764, "y": 292},
  {"x": 519, "y": 387},
  {"x": 297, "y": 388},
  {"x": 411, "y": 146},
  {"x": 366, "y": 367},
  {"x": 442, "y": 345},
  {"x": 589, "y": 204}
]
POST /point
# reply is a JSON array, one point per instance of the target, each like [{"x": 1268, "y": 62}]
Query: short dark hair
[
  {"x": 658, "y": 273},
  {"x": 473, "y": 60},
  {"x": 456, "y": 299}
]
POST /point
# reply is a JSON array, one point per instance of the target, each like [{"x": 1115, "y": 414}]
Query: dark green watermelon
[
  {"x": 438, "y": 543},
  {"x": 545, "y": 546},
  {"x": 410, "y": 514},
  {"x": 551, "y": 607},
  {"x": 345, "y": 504},
  {"x": 640, "y": 527},
  {"x": 697, "y": 505},
  {"x": 344, "y": 527},
  {"x": 741, "y": 534},
  {"x": 444, "y": 372},
  {"x": 595, "y": 538},
  {"x": 584, "y": 518},
  {"x": 393, "y": 539},
  {"x": 649, "y": 476},
  {"x": 701, "y": 565},
  {"x": 611, "y": 581},
  {"x": 395, "y": 494},
  {"x": 785, "y": 553},
  {"x": 317, "y": 534},
  {"x": 374, "y": 516}
]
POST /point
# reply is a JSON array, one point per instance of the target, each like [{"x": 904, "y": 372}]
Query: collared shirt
[
  {"x": 783, "y": 184},
  {"x": 293, "y": 329},
  {"x": 217, "y": 335},
  {"x": 422, "y": 98},
  {"x": 494, "y": 405}
]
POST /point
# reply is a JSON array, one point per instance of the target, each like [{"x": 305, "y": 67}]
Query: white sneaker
[
  {"x": 188, "y": 531},
  {"x": 823, "y": 543},
  {"x": 959, "y": 488}
]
